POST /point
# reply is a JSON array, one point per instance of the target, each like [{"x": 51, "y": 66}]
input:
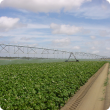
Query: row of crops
[{"x": 46, "y": 86}]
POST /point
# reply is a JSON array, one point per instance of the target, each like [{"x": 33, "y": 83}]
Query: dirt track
[
  {"x": 93, "y": 95},
  {"x": 107, "y": 97}
]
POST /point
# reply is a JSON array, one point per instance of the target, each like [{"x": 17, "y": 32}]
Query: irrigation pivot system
[
  {"x": 70, "y": 57},
  {"x": 18, "y": 51}
]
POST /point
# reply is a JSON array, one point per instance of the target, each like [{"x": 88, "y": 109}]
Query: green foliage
[
  {"x": 45, "y": 86},
  {"x": 106, "y": 81}
]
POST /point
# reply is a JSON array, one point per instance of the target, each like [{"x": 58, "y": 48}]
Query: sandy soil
[
  {"x": 107, "y": 97},
  {"x": 94, "y": 99},
  {"x": 93, "y": 95}
]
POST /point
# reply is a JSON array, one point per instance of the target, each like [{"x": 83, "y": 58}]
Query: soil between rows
[{"x": 93, "y": 95}]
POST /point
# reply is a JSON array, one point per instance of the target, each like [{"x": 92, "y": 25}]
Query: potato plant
[{"x": 46, "y": 86}]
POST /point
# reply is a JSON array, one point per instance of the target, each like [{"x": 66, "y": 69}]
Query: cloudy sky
[{"x": 71, "y": 25}]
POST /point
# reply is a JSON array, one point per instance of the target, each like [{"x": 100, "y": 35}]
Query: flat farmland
[
  {"x": 43, "y": 86},
  {"x": 25, "y": 61}
]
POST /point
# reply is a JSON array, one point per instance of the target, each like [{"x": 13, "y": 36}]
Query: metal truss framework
[{"x": 28, "y": 50}]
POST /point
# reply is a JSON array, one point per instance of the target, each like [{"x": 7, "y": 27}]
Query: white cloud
[
  {"x": 104, "y": 33},
  {"x": 95, "y": 52},
  {"x": 37, "y": 26},
  {"x": 104, "y": 7},
  {"x": 76, "y": 47},
  {"x": 108, "y": 1},
  {"x": 86, "y": 31},
  {"x": 100, "y": 11},
  {"x": 26, "y": 38},
  {"x": 61, "y": 42},
  {"x": 23, "y": 40},
  {"x": 23, "y": 11},
  {"x": 65, "y": 29},
  {"x": 44, "y": 6},
  {"x": 9, "y": 23},
  {"x": 93, "y": 48},
  {"x": 33, "y": 45},
  {"x": 107, "y": 48},
  {"x": 1, "y": 36},
  {"x": 92, "y": 37},
  {"x": 1, "y": 1}
]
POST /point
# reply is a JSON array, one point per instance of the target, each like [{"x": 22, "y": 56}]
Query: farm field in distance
[
  {"x": 43, "y": 86},
  {"x": 4, "y": 61},
  {"x": 25, "y": 61}
]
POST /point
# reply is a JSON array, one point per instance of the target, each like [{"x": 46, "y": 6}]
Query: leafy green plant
[
  {"x": 106, "y": 81},
  {"x": 45, "y": 86},
  {"x": 101, "y": 99}
]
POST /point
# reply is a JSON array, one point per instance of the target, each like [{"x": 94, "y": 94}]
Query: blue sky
[{"x": 72, "y": 25}]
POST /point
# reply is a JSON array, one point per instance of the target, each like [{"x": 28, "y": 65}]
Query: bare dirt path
[
  {"x": 92, "y": 95},
  {"x": 107, "y": 97},
  {"x": 94, "y": 99}
]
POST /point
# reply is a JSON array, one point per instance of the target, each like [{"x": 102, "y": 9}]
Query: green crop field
[
  {"x": 25, "y": 61},
  {"x": 43, "y": 86}
]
